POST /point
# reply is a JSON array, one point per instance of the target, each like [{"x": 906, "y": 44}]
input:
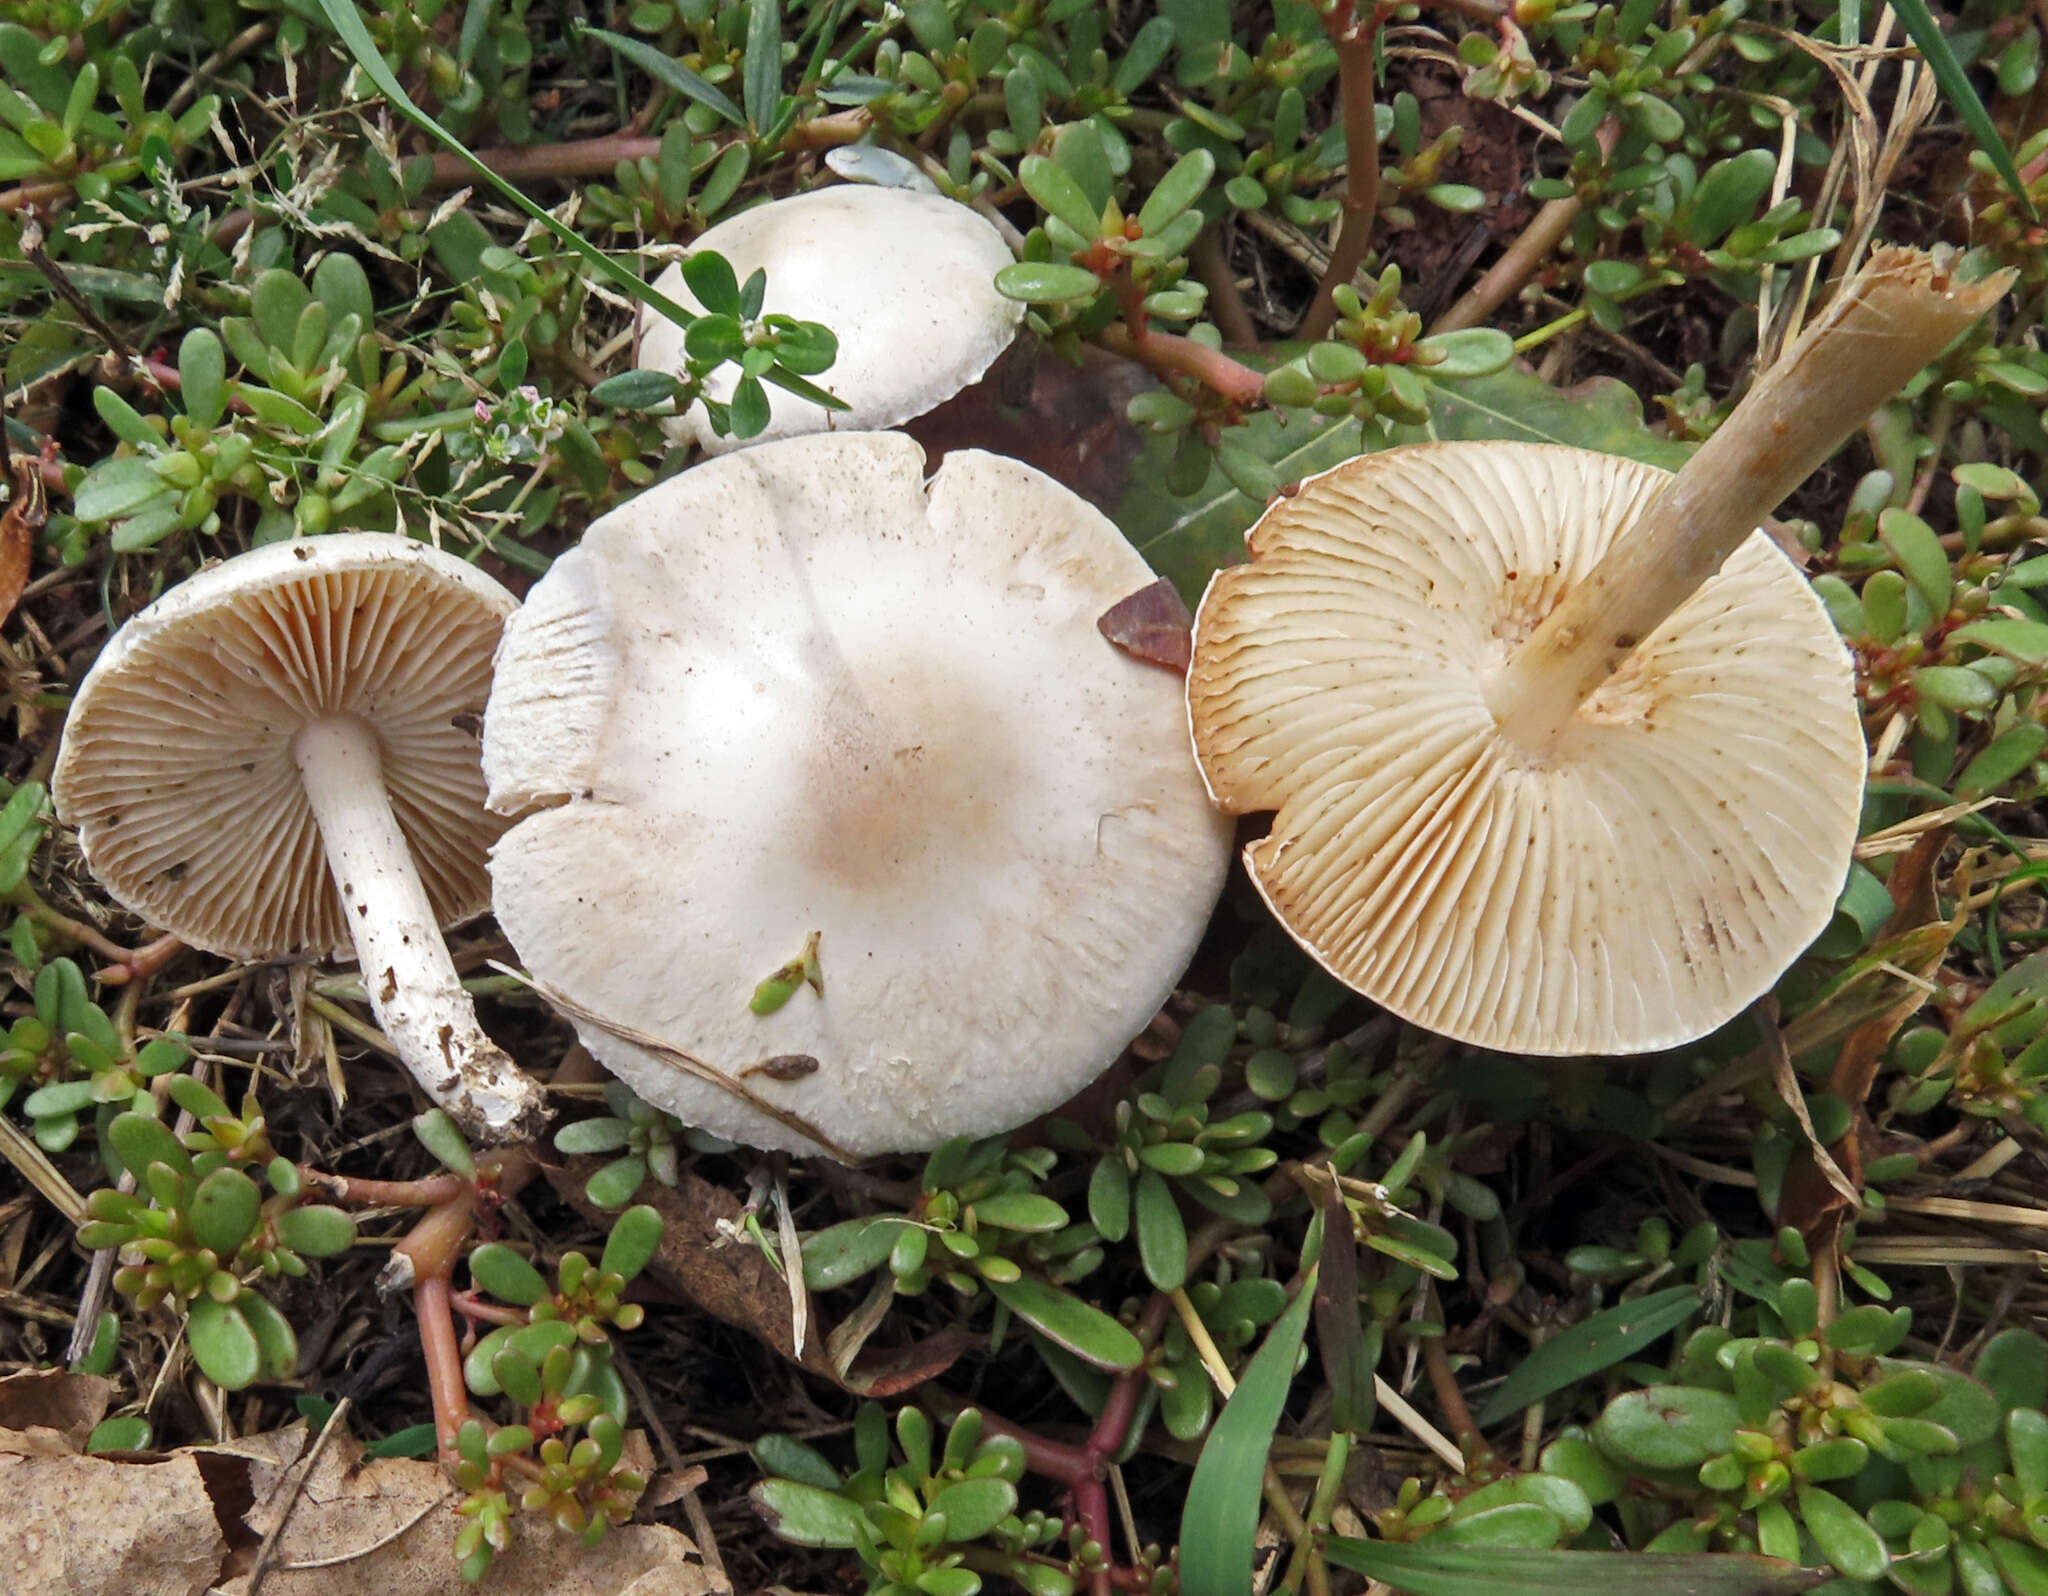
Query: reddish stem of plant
[
  {"x": 1052, "y": 1460},
  {"x": 1444, "y": 1381},
  {"x": 143, "y": 961},
  {"x": 471, "y": 1306},
  {"x": 538, "y": 163},
  {"x": 425, "y": 1193},
  {"x": 432, "y": 1246},
  {"x": 1169, "y": 353},
  {"x": 1354, "y": 35},
  {"x": 1083, "y": 1469}
]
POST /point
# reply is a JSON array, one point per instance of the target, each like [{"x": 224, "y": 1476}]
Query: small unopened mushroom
[
  {"x": 905, "y": 280},
  {"x": 844, "y": 827},
  {"x": 1565, "y": 755},
  {"x": 281, "y": 755}
]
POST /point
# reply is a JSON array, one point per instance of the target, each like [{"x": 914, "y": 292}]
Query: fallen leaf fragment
[
  {"x": 732, "y": 1281},
  {"x": 388, "y": 1525},
  {"x": 189, "y": 1523},
  {"x": 87, "y": 1526},
  {"x": 20, "y": 525},
  {"x": 1153, "y": 625},
  {"x": 53, "y": 1399},
  {"x": 1068, "y": 420}
]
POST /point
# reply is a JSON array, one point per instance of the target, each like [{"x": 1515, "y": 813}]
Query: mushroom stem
[
  {"x": 1898, "y": 313},
  {"x": 411, "y": 981}
]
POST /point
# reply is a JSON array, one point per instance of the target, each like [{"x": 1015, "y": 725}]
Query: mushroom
[
  {"x": 309, "y": 698},
  {"x": 1565, "y": 754},
  {"x": 905, "y": 280},
  {"x": 798, "y": 712}
]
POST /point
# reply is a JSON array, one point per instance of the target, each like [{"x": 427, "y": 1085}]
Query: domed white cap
[
  {"x": 905, "y": 280},
  {"x": 799, "y": 691}
]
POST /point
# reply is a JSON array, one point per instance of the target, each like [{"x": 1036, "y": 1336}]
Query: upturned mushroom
[
  {"x": 905, "y": 280},
  {"x": 280, "y": 755},
  {"x": 1564, "y": 754},
  {"x": 844, "y": 829}
]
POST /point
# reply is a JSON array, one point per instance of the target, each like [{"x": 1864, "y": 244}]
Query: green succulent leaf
[
  {"x": 1845, "y": 1538},
  {"x": 635, "y": 1237},
  {"x": 277, "y": 1345},
  {"x": 788, "y": 1458},
  {"x": 805, "y": 1515},
  {"x": 223, "y": 1211},
  {"x": 1020, "y": 1210},
  {"x": 1668, "y": 1426},
  {"x": 1047, "y": 283},
  {"x": 506, "y": 1275},
  {"x": 223, "y": 1344},
  {"x": 974, "y": 1507},
  {"x": 139, "y": 1140},
  {"x": 842, "y": 1253},
  {"x": 1066, "y": 1321},
  {"x": 316, "y": 1230}
]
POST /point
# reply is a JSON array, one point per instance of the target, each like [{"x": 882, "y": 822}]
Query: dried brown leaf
[
  {"x": 52, "y": 1399},
  {"x": 19, "y": 526},
  {"x": 388, "y": 1525},
  {"x": 1152, "y": 624},
  {"x": 733, "y": 1282},
  {"x": 1065, "y": 419},
  {"x": 88, "y": 1526}
]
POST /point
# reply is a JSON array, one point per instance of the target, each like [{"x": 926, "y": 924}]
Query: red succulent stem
[
  {"x": 1355, "y": 37},
  {"x": 387, "y": 1193},
  {"x": 1169, "y": 353},
  {"x": 432, "y": 1246}
]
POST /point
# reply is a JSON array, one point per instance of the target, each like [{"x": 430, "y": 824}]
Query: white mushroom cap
[
  {"x": 905, "y": 280},
  {"x": 177, "y": 764},
  {"x": 1680, "y": 845},
  {"x": 281, "y": 754},
  {"x": 800, "y": 690}
]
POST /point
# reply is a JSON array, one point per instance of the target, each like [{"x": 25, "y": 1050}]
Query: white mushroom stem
[
  {"x": 411, "y": 981},
  {"x": 1898, "y": 313}
]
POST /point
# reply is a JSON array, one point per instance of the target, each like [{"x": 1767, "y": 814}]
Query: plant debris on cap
[
  {"x": 1630, "y": 888},
  {"x": 185, "y": 768},
  {"x": 906, "y": 280},
  {"x": 824, "y": 763}
]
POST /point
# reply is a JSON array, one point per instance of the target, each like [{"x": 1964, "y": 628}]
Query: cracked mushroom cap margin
[{"x": 799, "y": 689}]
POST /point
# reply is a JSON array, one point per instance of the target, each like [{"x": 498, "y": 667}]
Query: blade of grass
[
  {"x": 1957, "y": 89},
  {"x": 1425, "y": 1570},
  {"x": 670, "y": 73},
  {"x": 1588, "y": 1347},
  {"x": 762, "y": 66},
  {"x": 348, "y": 23},
  {"x": 1221, "y": 1520}
]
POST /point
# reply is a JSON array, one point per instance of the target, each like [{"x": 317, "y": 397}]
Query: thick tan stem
[{"x": 1887, "y": 322}]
